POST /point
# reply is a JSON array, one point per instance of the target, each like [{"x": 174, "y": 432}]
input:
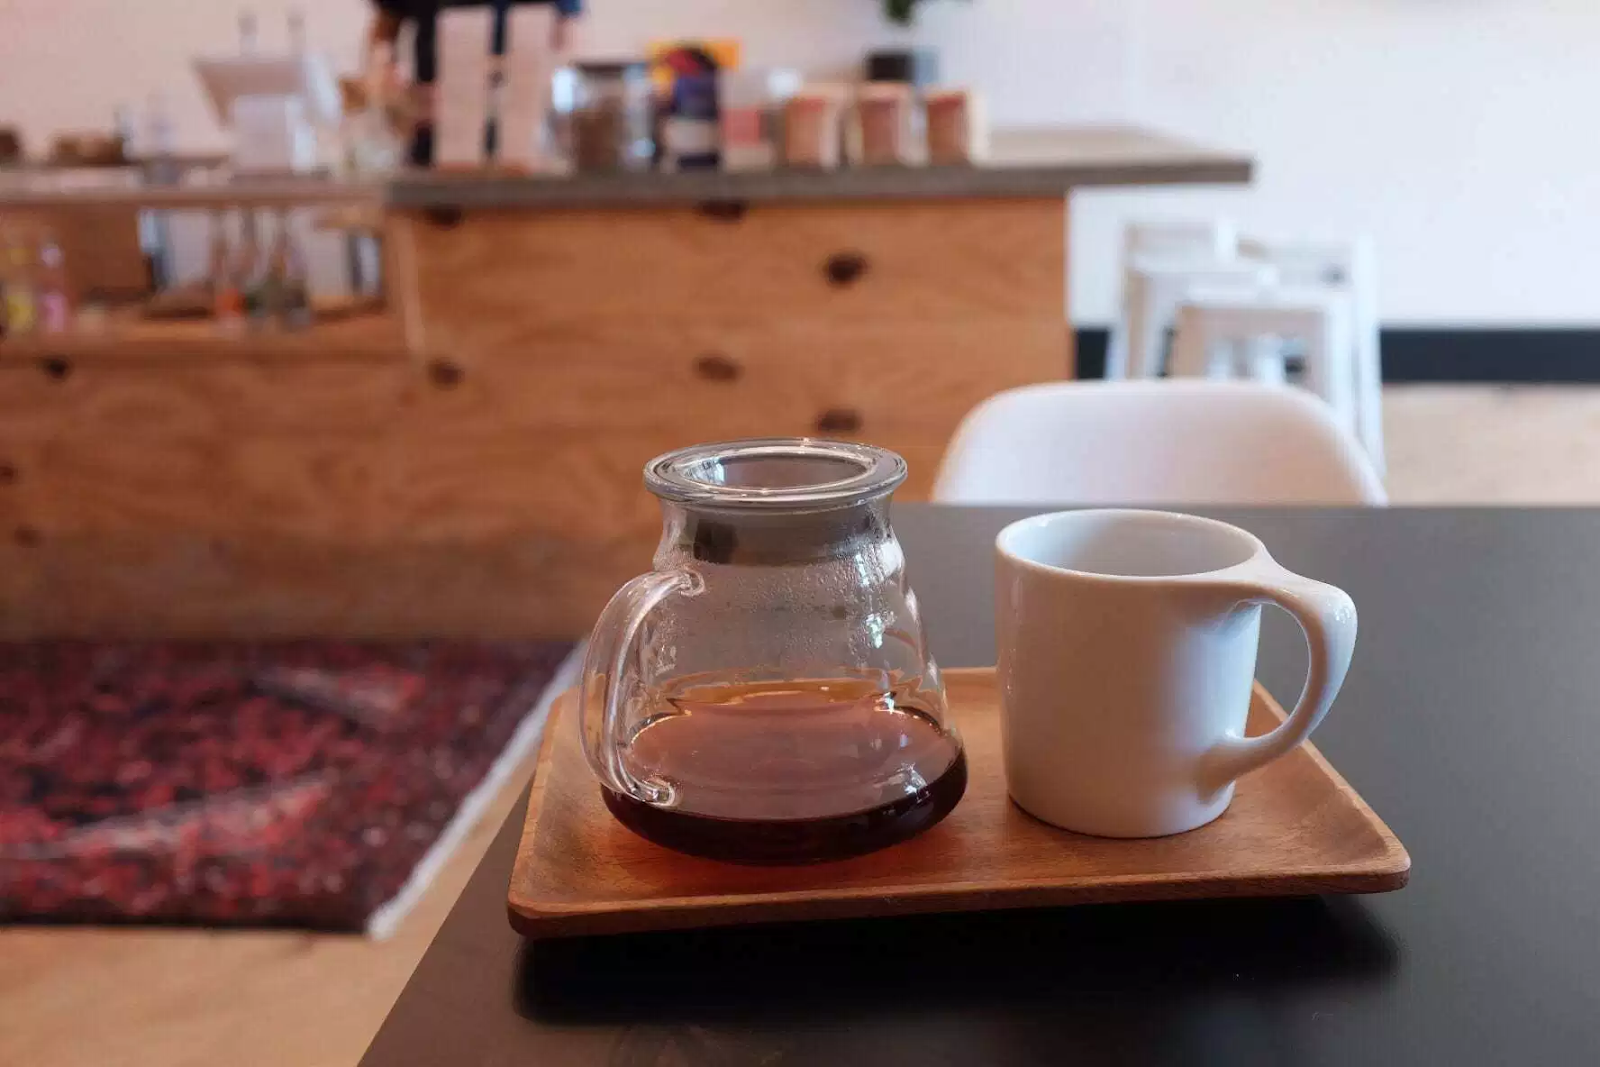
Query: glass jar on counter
[
  {"x": 813, "y": 128},
  {"x": 885, "y": 124},
  {"x": 611, "y": 125},
  {"x": 958, "y": 132}
]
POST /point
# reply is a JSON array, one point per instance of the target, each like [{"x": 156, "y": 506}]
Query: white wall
[{"x": 1458, "y": 132}]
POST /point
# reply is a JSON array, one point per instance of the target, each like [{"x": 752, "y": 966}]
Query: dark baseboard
[{"x": 1558, "y": 355}]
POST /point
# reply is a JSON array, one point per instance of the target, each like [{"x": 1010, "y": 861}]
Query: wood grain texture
[
  {"x": 209, "y": 588},
  {"x": 204, "y": 398},
  {"x": 1295, "y": 828},
  {"x": 778, "y": 378},
  {"x": 100, "y": 249},
  {"x": 365, "y": 478},
  {"x": 99, "y": 246},
  {"x": 168, "y": 343},
  {"x": 952, "y": 261}
]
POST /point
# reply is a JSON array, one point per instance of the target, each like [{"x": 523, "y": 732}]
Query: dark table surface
[{"x": 1470, "y": 721}]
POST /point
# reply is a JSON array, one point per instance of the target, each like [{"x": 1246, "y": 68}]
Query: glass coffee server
[{"x": 765, "y": 694}]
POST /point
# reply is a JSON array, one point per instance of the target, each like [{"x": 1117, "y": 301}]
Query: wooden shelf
[
  {"x": 373, "y": 336},
  {"x": 244, "y": 192}
]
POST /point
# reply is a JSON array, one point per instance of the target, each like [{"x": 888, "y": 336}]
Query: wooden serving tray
[{"x": 1295, "y": 828}]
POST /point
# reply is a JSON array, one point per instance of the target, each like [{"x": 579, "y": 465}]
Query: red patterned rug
[{"x": 316, "y": 784}]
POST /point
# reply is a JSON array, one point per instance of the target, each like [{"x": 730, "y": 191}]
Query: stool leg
[
  {"x": 1369, "y": 394},
  {"x": 1222, "y": 359},
  {"x": 1117, "y": 350},
  {"x": 1266, "y": 360},
  {"x": 1369, "y": 356},
  {"x": 1191, "y": 345},
  {"x": 1147, "y": 340},
  {"x": 1329, "y": 365}
]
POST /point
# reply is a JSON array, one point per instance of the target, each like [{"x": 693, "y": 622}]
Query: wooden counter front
[
  {"x": 479, "y": 472},
  {"x": 605, "y": 337}
]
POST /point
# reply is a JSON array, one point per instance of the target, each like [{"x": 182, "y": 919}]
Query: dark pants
[{"x": 421, "y": 154}]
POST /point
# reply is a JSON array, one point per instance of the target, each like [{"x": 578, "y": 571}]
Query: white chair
[{"x": 1179, "y": 443}]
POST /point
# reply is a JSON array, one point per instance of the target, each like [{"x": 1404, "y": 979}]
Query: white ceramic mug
[{"x": 1127, "y": 653}]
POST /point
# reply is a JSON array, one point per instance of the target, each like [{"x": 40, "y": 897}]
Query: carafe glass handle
[{"x": 601, "y": 698}]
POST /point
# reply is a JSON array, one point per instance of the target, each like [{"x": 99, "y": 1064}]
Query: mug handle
[
  {"x": 599, "y": 698},
  {"x": 1327, "y": 616}
]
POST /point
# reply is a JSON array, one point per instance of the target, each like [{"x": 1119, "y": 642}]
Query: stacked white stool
[
  {"x": 1236, "y": 307},
  {"x": 1161, "y": 259},
  {"x": 1154, "y": 288},
  {"x": 1347, "y": 267},
  {"x": 1234, "y": 332}
]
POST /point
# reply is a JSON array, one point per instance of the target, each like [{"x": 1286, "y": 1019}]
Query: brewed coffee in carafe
[{"x": 765, "y": 695}]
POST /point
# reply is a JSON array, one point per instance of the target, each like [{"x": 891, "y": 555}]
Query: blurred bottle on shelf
[
  {"x": 269, "y": 301},
  {"x": 16, "y": 279},
  {"x": 157, "y": 153},
  {"x": 227, "y": 298},
  {"x": 54, "y": 307},
  {"x": 123, "y": 131},
  {"x": 159, "y": 167},
  {"x": 250, "y": 269},
  {"x": 288, "y": 267}
]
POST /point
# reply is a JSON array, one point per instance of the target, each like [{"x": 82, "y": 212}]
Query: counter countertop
[{"x": 1022, "y": 163}]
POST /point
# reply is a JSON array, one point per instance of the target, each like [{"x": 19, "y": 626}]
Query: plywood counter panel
[
  {"x": 470, "y": 462},
  {"x": 491, "y": 485},
  {"x": 692, "y": 378},
  {"x": 362, "y": 337},
  {"x": 343, "y": 482},
  {"x": 184, "y": 586},
  {"x": 777, "y": 377},
  {"x": 205, "y": 396},
  {"x": 492, "y": 271}
]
